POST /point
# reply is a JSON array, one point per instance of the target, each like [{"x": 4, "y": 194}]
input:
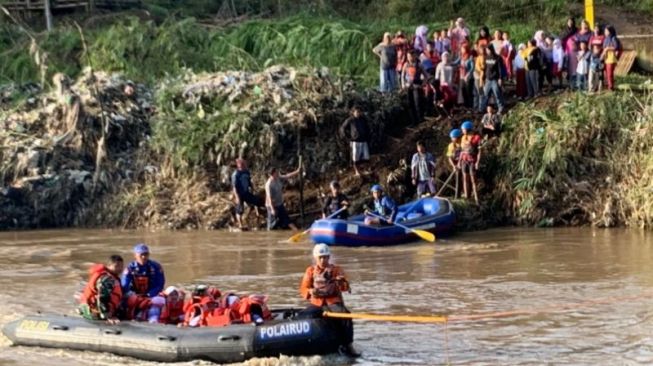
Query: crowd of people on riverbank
[
  {"x": 453, "y": 67},
  {"x": 446, "y": 70}
]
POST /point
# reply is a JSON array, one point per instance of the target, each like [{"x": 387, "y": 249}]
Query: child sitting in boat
[{"x": 384, "y": 210}]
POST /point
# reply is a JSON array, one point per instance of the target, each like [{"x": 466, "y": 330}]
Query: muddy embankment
[{"x": 95, "y": 155}]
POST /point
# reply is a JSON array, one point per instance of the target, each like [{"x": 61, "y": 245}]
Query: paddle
[
  {"x": 425, "y": 235},
  {"x": 387, "y": 318},
  {"x": 297, "y": 237}
]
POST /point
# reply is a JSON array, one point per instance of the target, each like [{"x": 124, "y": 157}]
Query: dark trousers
[{"x": 415, "y": 104}]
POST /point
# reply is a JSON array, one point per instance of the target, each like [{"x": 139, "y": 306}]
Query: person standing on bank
[
  {"x": 277, "y": 214},
  {"x": 387, "y": 53},
  {"x": 241, "y": 183},
  {"x": 423, "y": 170},
  {"x": 357, "y": 130}
]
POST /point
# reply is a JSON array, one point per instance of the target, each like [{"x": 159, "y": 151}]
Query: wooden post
[
  {"x": 589, "y": 12},
  {"x": 301, "y": 175},
  {"x": 48, "y": 15}
]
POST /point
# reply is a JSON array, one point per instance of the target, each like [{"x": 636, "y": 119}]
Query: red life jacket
[
  {"x": 173, "y": 311},
  {"x": 137, "y": 308},
  {"x": 201, "y": 306},
  {"x": 89, "y": 296},
  {"x": 469, "y": 147},
  {"x": 141, "y": 284}
]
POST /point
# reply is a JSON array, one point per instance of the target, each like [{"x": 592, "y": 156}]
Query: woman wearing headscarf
[
  {"x": 420, "y": 38},
  {"x": 519, "y": 68},
  {"x": 458, "y": 34}
]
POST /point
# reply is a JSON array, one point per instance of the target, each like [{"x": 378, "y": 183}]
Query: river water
[{"x": 576, "y": 296}]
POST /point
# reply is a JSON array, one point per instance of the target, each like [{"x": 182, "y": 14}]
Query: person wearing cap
[
  {"x": 322, "y": 285},
  {"x": 102, "y": 295},
  {"x": 470, "y": 156},
  {"x": 143, "y": 276},
  {"x": 334, "y": 202},
  {"x": 383, "y": 206},
  {"x": 422, "y": 168},
  {"x": 241, "y": 182}
]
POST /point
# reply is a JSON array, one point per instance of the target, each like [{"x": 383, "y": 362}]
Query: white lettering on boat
[
  {"x": 352, "y": 228},
  {"x": 284, "y": 330}
]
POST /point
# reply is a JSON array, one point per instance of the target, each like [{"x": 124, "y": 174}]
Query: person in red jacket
[{"x": 103, "y": 294}]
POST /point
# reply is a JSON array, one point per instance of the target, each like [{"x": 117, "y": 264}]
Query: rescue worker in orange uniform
[
  {"x": 322, "y": 285},
  {"x": 103, "y": 294}
]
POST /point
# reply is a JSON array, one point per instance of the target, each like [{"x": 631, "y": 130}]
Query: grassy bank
[
  {"x": 148, "y": 51},
  {"x": 577, "y": 159}
]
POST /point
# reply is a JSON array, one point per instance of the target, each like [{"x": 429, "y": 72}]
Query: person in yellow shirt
[
  {"x": 611, "y": 49},
  {"x": 479, "y": 77},
  {"x": 453, "y": 154}
]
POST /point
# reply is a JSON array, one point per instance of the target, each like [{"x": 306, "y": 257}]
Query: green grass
[
  {"x": 578, "y": 158},
  {"x": 147, "y": 51}
]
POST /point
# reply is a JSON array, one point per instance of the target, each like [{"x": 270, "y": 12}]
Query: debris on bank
[{"x": 162, "y": 157}]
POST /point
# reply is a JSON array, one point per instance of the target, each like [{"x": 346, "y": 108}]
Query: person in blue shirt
[
  {"x": 383, "y": 206},
  {"x": 143, "y": 277}
]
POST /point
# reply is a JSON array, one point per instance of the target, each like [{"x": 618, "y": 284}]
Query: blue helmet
[
  {"x": 467, "y": 125},
  {"x": 455, "y": 133},
  {"x": 376, "y": 188}
]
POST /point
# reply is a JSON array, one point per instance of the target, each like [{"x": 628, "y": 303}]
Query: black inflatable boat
[{"x": 287, "y": 334}]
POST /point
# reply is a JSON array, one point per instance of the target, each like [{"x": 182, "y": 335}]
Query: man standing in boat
[
  {"x": 102, "y": 295},
  {"x": 143, "y": 276},
  {"x": 323, "y": 284}
]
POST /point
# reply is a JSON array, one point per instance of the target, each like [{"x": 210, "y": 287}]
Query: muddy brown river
[{"x": 539, "y": 296}]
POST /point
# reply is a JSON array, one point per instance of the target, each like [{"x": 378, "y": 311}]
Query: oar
[
  {"x": 387, "y": 318},
  {"x": 430, "y": 237},
  {"x": 297, "y": 237}
]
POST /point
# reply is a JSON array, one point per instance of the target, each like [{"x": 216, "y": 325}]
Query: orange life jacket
[
  {"x": 137, "y": 307},
  {"x": 141, "y": 284},
  {"x": 201, "y": 306},
  {"x": 89, "y": 296},
  {"x": 469, "y": 147},
  {"x": 173, "y": 311},
  {"x": 220, "y": 313},
  {"x": 323, "y": 280}
]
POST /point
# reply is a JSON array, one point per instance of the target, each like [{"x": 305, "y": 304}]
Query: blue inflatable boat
[{"x": 431, "y": 214}]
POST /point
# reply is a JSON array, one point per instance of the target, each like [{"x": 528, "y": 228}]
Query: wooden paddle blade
[
  {"x": 430, "y": 237},
  {"x": 299, "y": 236}
]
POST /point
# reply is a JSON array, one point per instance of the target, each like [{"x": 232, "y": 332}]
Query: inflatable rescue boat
[{"x": 287, "y": 333}]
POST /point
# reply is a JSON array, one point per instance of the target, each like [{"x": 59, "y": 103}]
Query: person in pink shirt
[{"x": 458, "y": 34}]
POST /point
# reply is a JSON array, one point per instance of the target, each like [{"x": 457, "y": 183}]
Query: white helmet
[{"x": 320, "y": 250}]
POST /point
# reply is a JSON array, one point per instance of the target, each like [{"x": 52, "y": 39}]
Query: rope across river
[{"x": 439, "y": 319}]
